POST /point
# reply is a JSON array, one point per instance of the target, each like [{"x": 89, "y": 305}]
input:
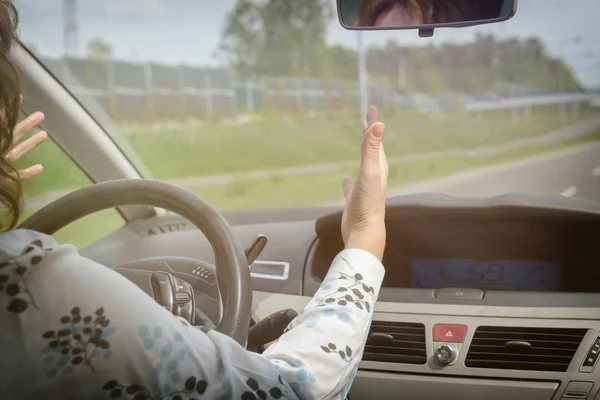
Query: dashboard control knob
[{"x": 445, "y": 354}]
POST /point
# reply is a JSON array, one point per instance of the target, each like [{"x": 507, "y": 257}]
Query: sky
[{"x": 189, "y": 31}]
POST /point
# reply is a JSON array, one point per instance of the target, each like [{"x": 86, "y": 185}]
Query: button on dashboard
[
  {"x": 592, "y": 357},
  {"x": 445, "y": 354},
  {"x": 577, "y": 390},
  {"x": 459, "y": 294},
  {"x": 449, "y": 333}
]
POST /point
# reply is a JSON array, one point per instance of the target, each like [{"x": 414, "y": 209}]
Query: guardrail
[{"x": 534, "y": 101}]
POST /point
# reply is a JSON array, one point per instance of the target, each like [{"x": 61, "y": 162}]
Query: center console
[
  {"x": 464, "y": 351},
  {"x": 479, "y": 304}
]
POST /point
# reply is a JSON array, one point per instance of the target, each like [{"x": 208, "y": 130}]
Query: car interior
[{"x": 491, "y": 297}]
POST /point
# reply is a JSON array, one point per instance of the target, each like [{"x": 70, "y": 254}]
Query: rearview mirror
[{"x": 424, "y": 15}]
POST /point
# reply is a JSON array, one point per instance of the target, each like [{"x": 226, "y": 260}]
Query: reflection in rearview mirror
[{"x": 417, "y": 14}]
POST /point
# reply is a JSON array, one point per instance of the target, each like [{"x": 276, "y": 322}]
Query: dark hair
[
  {"x": 430, "y": 11},
  {"x": 10, "y": 104}
]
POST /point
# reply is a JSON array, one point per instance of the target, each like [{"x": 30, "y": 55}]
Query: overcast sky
[{"x": 188, "y": 31}]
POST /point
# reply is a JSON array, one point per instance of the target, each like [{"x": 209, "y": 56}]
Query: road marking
[
  {"x": 596, "y": 171},
  {"x": 445, "y": 184},
  {"x": 569, "y": 192}
]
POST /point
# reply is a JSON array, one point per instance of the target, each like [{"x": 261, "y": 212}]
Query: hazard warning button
[{"x": 449, "y": 333}]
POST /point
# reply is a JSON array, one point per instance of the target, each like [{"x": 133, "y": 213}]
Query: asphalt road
[
  {"x": 567, "y": 133},
  {"x": 572, "y": 173}
]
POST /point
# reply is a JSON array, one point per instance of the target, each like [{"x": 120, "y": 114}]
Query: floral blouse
[{"x": 73, "y": 329}]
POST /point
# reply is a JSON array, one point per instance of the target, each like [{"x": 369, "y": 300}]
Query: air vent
[
  {"x": 166, "y": 228},
  {"x": 532, "y": 349},
  {"x": 396, "y": 342}
]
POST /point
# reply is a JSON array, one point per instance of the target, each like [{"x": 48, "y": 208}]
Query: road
[
  {"x": 560, "y": 135},
  {"x": 564, "y": 134},
  {"x": 574, "y": 172}
]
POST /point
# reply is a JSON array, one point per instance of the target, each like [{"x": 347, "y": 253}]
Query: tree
[
  {"x": 242, "y": 36},
  {"x": 486, "y": 64},
  {"x": 287, "y": 38},
  {"x": 277, "y": 37},
  {"x": 99, "y": 50},
  {"x": 341, "y": 63}
]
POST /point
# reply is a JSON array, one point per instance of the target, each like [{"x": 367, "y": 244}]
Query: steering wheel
[{"x": 233, "y": 274}]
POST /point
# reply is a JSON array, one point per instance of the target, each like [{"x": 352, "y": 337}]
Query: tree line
[{"x": 288, "y": 38}]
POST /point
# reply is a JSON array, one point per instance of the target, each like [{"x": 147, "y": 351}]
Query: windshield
[{"x": 257, "y": 103}]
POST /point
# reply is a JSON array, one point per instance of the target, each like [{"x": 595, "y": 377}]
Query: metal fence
[{"x": 151, "y": 92}]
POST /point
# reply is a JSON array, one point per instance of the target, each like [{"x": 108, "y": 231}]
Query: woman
[
  {"x": 420, "y": 12},
  {"x": 63, "y": 337}
]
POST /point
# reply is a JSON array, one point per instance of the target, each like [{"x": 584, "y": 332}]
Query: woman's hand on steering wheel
[{"x": 363, "y": 220}]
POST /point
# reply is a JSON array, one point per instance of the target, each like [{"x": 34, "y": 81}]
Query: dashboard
[
  {"x": 495, "y": 249},
  {"x": 511, "y": 285},
  {"x": 530, "y": 275}
]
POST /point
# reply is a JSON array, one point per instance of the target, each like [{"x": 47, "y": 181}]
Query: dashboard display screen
[{"x": 436, "y": 273}]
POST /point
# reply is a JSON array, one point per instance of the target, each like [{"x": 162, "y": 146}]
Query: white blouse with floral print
[{"x": 73, "y": 329}]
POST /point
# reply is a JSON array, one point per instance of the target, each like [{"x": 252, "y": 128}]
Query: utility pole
[
  {"x": 70, "y": 28},
  {"x": 362, "y": 76}
]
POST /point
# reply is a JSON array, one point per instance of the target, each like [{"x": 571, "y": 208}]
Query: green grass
[
  {"x": 304, "y": 190},
  {"x": 315, "y": 189},
  {"x": 60, "y": 172},
  {"x": 86, "y": 230},
  {"x": 286, "y": 141},
  {"x": 280, "y": 141},
  {"x": 274, "y": 141}
]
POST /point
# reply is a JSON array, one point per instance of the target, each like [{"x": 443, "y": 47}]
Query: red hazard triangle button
[{"x": 449, "y": 333}]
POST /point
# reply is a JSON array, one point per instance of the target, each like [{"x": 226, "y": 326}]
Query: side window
[{"x": 60, "y": 176}]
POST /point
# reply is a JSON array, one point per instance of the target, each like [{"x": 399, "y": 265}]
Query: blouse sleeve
[{"x": 71, "y": 328}]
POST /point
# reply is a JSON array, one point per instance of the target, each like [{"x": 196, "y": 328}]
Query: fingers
[
  {"x": 27, "y": 125},
  {"x": 372, "y": 116},
  {"x": 19, "y": 149},
  {"x": 31, "y": 172},
  {"x": 347, "y": 186},
  {"x": 371, "y": 150},
  {"x": 26, "y": 146}
]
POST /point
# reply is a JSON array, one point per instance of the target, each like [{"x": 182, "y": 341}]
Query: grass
[
  {"x": 273, "y": 142},
  {"x": 280, "y": 141},
  {"x": 86, "y": 230},
  {"x": 60, "y": 172},
  {"x": 315, "y": 189},
  {"x": 287, "y": 141},
  {"x": 305, "y": 190}
]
